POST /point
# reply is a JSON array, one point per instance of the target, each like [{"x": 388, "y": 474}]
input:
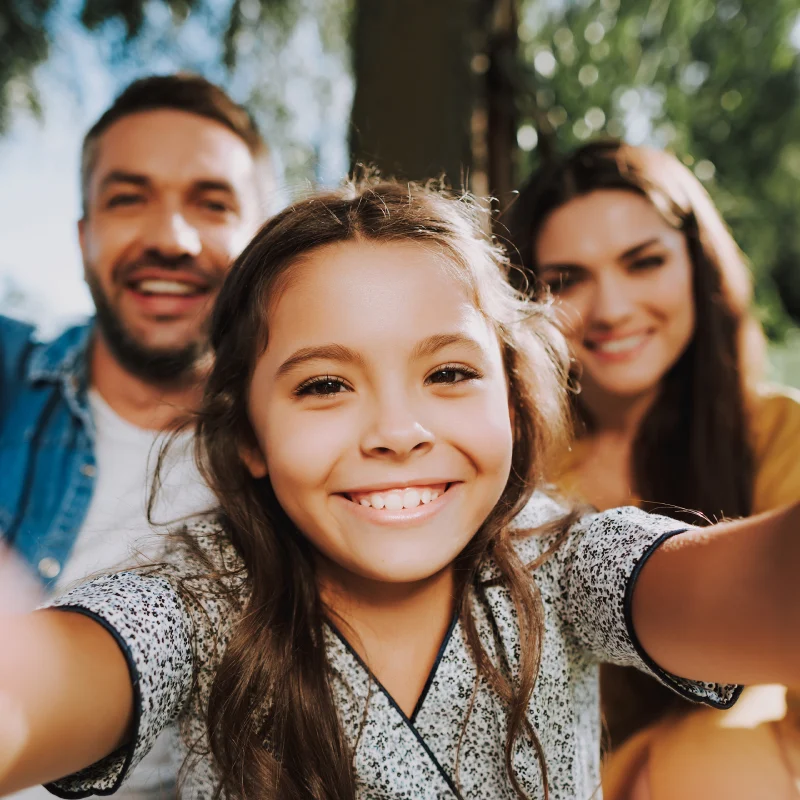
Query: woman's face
[
  {"x": 623, "y": 277},
  {"x": 381, "y": 409}
]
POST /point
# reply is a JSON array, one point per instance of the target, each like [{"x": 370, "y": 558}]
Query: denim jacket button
[
  {"x": 49, "y": 567},
  {"x": 89, "y": 470}
]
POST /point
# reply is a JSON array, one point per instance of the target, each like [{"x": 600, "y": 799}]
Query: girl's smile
[
  {"x": 380, "y": 408},
  {"x": 416, "y": 503}
]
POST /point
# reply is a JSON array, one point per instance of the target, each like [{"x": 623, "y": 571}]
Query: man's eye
[
  {"x": 321, "y": 387},
  {"x": 217, "y": 206},
  {"x": 452, "y": 374},
  {"x": 124, "y": 200}
]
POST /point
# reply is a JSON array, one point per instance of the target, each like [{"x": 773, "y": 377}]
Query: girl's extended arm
[
  {"x": 723, "y": 603},
  {"x": 66, "y": 698}
]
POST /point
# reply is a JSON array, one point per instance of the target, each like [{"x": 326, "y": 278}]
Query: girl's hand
[
  {"x": 66, "y": 698},
  {"x": 19, "y": 590},
  {"x": 12, "y": 733}
]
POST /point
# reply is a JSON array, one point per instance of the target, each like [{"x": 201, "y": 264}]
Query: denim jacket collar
[{"x": 65, "y": 361}]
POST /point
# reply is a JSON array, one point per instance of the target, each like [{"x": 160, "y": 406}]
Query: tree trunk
[
  {"x": 415, "y": 87},
  {"x": 501, "y": 111}
]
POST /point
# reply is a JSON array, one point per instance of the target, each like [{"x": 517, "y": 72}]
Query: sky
[{"x": 40, "y": 264}]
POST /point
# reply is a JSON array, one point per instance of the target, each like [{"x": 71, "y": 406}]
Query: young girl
[
  {"x": 383, "y": 608},
  {"x": 672, "y": 410}
]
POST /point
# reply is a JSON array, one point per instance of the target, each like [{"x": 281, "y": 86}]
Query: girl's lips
[
  {"x": 396, "y": 498},
  {"x": 404, "y": 517}
]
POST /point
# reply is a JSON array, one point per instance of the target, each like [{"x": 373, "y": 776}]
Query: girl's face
[
  {"x": 624, "y": 279},
  {"x": 381, "y": 409}
]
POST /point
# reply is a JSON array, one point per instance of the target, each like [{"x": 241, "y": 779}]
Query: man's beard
[{"x": 165, "y": 367}]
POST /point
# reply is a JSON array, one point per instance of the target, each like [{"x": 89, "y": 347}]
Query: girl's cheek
[
  {"x": 482, "y": 429},
  {"x": 303, "y": 450}
]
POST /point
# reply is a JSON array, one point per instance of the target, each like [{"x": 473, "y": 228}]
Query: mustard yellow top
[
  {"x": 712, "y": 754},
  {"x": 775, "y": 426}
]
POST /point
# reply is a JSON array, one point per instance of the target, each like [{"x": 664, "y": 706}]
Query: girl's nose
[{"x": 396, "y": 432}]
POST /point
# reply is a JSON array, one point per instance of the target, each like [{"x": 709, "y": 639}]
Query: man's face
[{"x": 172, "y": 200}]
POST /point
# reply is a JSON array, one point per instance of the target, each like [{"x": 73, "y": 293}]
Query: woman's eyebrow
[
  {"x": 562, "y": 266},
  {"x": 323, "y": 352},
  {"x": 634, "y": 251}
]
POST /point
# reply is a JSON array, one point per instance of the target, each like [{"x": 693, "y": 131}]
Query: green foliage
[
  {"x": 27, "y": 29},
  {"x": 716, "y": 81},
  {"x": 23, "y": 45}
]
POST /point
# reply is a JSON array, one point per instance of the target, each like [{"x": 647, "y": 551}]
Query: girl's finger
[{"x": 19, "y": 590}]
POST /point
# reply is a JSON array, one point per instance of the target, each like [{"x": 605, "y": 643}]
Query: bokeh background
[{"x": 477, "y": 90}]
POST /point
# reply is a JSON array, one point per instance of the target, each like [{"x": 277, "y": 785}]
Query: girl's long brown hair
[
  {"x": 693, "y": 450},
  {"x": 272, "y": 721}
]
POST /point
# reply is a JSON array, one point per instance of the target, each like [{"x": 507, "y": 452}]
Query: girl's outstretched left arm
[{"x": 723, "y": 603}]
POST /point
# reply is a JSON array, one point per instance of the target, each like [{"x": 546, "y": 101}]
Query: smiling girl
[
  {"x": 656, "y": 299},
  {"x": 383, "y": 606}
]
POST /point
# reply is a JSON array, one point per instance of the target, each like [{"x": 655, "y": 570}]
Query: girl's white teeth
[
  {"x": 155, "y": 286},
  {"x": 397, "y": 500}
]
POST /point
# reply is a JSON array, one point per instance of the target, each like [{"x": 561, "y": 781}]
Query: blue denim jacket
[{"x": 47, "y": 462}]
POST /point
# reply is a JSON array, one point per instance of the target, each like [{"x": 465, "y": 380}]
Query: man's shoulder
[
  {"x": 23, "y": 354},
  {"x": 15, "y": 330}
]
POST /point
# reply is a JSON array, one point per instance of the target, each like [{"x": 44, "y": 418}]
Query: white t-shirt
[
  {"x": 116, "y": 529},
  {"x": 116, "y": 532}
]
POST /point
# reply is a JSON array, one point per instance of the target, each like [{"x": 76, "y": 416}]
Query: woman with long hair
[
  {"x": 383, "y": 606},
  {"x": 671, "y": 414}
]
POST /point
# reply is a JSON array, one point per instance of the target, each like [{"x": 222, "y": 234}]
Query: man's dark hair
[{"x": 179, "y": 92}]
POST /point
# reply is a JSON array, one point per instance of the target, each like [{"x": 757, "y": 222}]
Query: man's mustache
[{"x": 185, "y": 265}]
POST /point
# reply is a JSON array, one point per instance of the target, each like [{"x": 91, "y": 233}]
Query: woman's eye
[
  {"x": 650, "y": 262},
  {"x": 321, "y": 387},
  {"x": 562, "y": 282},
  {"x": 455, "y": 374}
]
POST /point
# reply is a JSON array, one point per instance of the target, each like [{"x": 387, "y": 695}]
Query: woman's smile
[
  {"x": 618, "y": 347},
  {"x": 624, "y": 286}
]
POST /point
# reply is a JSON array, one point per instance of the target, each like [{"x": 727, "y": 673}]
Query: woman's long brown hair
[
  {"x": 272, "y": 720},
  {"x": 693, "y": 450},
  {"x": 693, "y": 447}
]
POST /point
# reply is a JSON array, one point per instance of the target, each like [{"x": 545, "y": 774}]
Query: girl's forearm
[
  {"x": 65, "y": 686},
  {"x": 723, "y": 603}
]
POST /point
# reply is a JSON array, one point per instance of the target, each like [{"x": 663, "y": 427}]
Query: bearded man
[{"x": 175, "y": 180}]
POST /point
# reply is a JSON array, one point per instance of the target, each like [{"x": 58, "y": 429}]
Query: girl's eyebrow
[
  {"x": 323, "y": 352},
  {"x": 339, "y": 352},
  {"x": 432, "y": 345}
]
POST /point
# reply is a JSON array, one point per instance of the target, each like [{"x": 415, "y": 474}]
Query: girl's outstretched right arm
[
  {"x": 87, "y": 685},
  {"x": 66, "y": 697}
]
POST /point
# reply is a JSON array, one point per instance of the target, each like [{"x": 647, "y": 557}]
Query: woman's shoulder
[
  {"x": 775, "y": 430},
  {"x": 774, "y": 406}
]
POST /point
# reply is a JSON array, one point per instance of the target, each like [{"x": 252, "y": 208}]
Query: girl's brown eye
[
  {"x": 321, "y": 387},
  {"x": 454, "y": 374}
]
